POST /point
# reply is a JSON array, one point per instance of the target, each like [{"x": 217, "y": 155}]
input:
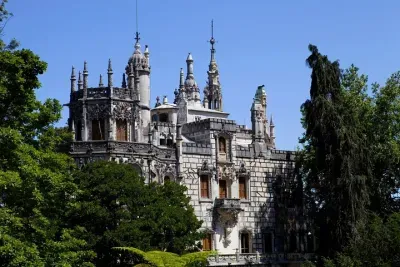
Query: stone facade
[{"x": 240, "y": 185}]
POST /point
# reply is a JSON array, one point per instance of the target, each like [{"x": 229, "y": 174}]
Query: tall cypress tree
[{"x": 334, "y": 158}]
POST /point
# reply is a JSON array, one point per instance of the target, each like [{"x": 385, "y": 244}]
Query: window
[
  {"x": 293, "y": 242},
  {"x": 122, "y": 130},
  {"x": 162, "y": 141},
  {"x": 268, "y": 243},
  {"x": 222, "y": 189},
  {"x": 154, "y": 117},
  {"x": 245, "y": 243},
  {"x": 163, "y": 117},
  {"x": 78, "y": 131},
  {"x": 169, "y": 142},
  {"x": 222, "y": 145},
  {"x": 98, "y": 130},
  {"x": 207, "y": 242},
  {"x": 204, "y": 187},
  {"x": 242, "y": 188}
]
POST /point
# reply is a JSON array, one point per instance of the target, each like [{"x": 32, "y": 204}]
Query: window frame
[
  {"x": 209, "y": 238},
  {"x": 117, "y": 127},
  {"x": 101, "y": 133},
  {"x": 249, "y": 241},
  {"x": 208, "y": 182}
]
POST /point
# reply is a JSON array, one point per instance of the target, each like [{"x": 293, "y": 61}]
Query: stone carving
[
  {"x": 121, "y": 93},
  {"x": 243, "y": 171},
  {"x": 226, "y": 172},
  {"x": 165, "y": 169},
  {"x": 98, "y": 111},
  {"x": 205, "y": 169},
  {"x": 122, "y": 110}
]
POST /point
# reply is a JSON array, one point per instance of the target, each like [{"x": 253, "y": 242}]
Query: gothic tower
[
  {"x": 258, "y": 115},
  {"x": 138, "y": 71},
  {"x": 213, "y": 91}
]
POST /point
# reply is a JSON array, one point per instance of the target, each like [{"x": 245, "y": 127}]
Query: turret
[
  {"x": 123, "y": 85},
  {"x": 191, "y": 89},
  {"x": 258, "y": 115}
]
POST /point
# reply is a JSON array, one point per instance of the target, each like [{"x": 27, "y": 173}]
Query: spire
[
  {"x": 212, "y": 42},
  {"x": 109, "y": 74},
  {"x": 181, "y": 79},
  {"x": 80, "y": 81},
  {"x": 123, "y": 81},
  {"x": 85, "y": 75},
  {"x": 73, "y": 79},
  {"x": 189, "y": 63},
  {"x": 101, "y": 81},
  {"x": 272, "y": 131}
]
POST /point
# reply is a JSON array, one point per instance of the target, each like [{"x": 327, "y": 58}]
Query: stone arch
[{"x": 137, "y": 168}]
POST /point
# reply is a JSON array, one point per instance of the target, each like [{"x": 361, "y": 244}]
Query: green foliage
[
  {"x": 118, "y": 209},
  {"x": 166, "y": 259}
]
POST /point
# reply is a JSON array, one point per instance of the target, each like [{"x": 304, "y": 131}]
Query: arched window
[
  {"x": 169, "y": 142},
  {"x": 98, "y": 130},
  {"x": 167, "y": 179},
  {"x": 163, "y": 117},
  {"x": 245, "y": 242},
  {"x": 222, "y": 144},
  {"x": 154, "y": 117}
]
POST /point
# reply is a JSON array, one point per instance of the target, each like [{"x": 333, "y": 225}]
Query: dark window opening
[
  {"x": 162, "y": 142},
  {"x": 222, "y": 145},
  {"x": 169, "y": 142},
  {"x": 154, "y": 117},
  {"x": 78, "y": 131},
  {"x": 204, "y": 187},
  {"x": 268, "y": 243},
  {"x": 163, "y": 117},
  {"x": 98, "y": 130},
  {"x": 310, "y": 243},
  {"x": 245, "y": 243},
  {"x": 293, "y": 242},
  {"x": 167, "y": 179},
  {"x": 122, "y": 130}
]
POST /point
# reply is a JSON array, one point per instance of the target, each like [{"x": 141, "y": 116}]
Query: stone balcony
[
  {"x": 257, "y": 259},
  {"x": 228, "y": 210}
]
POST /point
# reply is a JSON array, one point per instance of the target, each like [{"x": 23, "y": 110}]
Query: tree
[
  {"x": 335, "y": 161},
  {"x": 119, "y": 210},
  {"x": 36, "y": 186}
]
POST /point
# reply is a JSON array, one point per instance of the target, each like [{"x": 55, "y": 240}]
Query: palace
[{"x": 241, "y": 186}]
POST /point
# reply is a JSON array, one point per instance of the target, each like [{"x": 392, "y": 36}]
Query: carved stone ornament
[
  {"x": 122, "y": 110},
  {"x": 98, "y": 111},
  {"x": 205, "y": 169},
  {"x": 226, "y": 172},
  {"x": 243, "y": 171}
]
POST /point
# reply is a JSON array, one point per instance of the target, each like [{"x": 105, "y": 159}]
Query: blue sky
[{"x": 259, "y": 42}]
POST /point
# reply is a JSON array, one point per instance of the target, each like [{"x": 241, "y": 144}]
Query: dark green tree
[
  {"x": 335, "y": 162},
  {"x": 119, "y": 210}
]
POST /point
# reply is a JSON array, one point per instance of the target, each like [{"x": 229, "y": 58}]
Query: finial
[
  {"x": 271, "y": 123},
  {"x": 165, "y": 100},
  {"x": 123, "y": 80},
  {"x": 189, "y": 57},
  {"x": 109, "y": 66},
  {"x": 212, "y": 40},
  {"x": 146, "y": 50},
  {"x": 101, "y": 81},
  {"x": 85, "y": 66},
  {"x": 85, "y": 77}
]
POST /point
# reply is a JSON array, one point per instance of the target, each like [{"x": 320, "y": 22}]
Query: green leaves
[{"x": 118, "y": 209}]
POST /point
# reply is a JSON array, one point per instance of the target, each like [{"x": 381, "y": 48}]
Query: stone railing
[
  {"x": 227, "y": 203},
  {"x": 257, "y": 258},
  {"x": 120, "y": 147}
]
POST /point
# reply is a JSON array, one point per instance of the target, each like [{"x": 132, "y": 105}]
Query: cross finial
[
  {"x": 137, "y": 38},
  {"x": 212, "y": 40}
]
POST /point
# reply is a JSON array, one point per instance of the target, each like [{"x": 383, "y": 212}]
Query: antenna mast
[{"x": 137, "y": 38}]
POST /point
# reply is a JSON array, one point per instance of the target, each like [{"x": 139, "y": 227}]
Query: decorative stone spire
[
  {"x": 181, "y": 80},
  {"x": 101, "y": 81},
  {"x": 147, "y": 54},
  {"x": 85, "y": 75},
  {"x": 191, "y": 89},
  {"x": 80, "y": 83},
  {"x": 123, "y": 81},
  {"x": 73, "y": 79},
  {"x": 165, "y": 100},
  {"x": 272, "y": 130},
  {"x": 131, "y": 76},
  {"x": 110, "y": 74},
  {"x": 213, "y": 91},
  {"x": 158, "y": 101}
]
